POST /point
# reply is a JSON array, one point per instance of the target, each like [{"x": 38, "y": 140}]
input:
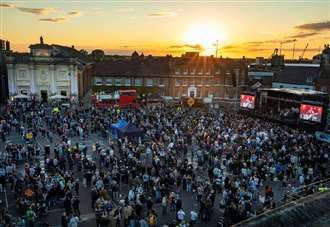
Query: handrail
[
  {"x": 302, "y": 188},
  {"x": 285, "y": 203}
]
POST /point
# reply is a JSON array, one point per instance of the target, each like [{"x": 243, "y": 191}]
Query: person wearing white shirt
[
  {"x": 181, "y": 215},
  {"x": 193, "y": 218},
  {"x": 74, "y": 221}
]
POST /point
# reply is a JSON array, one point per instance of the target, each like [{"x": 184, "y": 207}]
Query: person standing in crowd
[{"x": 209, "y": 157}]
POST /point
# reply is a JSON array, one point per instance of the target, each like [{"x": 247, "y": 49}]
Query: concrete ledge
[{"x": 310, "y": 211}]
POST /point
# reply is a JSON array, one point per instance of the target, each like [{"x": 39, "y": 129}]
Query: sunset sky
[{"x": 158, "y": 27}]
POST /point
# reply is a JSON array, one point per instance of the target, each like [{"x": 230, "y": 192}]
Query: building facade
[
  {"x": 4, "y": 49},
  {"x": 323, "y": 82},
  {"x": 47, "y": 70},
  {"x": 189, "y": 75},
  {"x": 207, "y": 77},
  {"x": 145, "y": 74},
  {"x": 297, "y": 76}
]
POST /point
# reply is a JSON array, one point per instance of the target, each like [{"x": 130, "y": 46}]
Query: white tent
[
  {"x": 21, "y": 96},
  {"x": 58, "y": 97}
]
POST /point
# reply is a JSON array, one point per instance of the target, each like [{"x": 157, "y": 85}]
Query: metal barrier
[
  {"x": 298, "y": 193},
  {"x": 301, "y": 191}
]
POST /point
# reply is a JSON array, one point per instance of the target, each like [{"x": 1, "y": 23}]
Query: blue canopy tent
[
  {"x": 114, "y": 127},
  {"x": 130, "y": 131}
]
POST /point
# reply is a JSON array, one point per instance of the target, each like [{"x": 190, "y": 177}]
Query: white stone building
[{"x": 43, "y": 72}]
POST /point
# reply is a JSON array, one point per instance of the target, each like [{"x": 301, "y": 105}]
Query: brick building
[
  {"x": 145, "y": 74},
  {"x": 189, "y": 75},
  {"x": 193, "y": 75}
]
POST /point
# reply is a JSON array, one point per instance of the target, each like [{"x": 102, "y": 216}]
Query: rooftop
[{"x": 295, "y": 91}]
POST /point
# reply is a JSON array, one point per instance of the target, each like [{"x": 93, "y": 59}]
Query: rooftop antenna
[
  {"x": 294, "y": 48},
  {"x": 216, "y": 50},
  {"x": 281, "y": 47}
]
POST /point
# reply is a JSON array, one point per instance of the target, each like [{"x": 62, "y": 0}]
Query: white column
[
  {"x": 33, "y": 79},
  {"x": 74, "y": 80},
  {"x": 11, "y": 79},
  {"x": 53, "y": 85}
]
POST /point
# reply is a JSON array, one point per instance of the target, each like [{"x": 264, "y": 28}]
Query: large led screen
[
  {"x": 247, "y": 101},
  {"x": 311, "y": 113}
]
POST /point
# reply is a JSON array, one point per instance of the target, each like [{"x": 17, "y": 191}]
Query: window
[
  {"x": 217, "y": 81},
  {"x": 191, "y": 81},
  {"x": 207, "y": 82},
  {"x": 192, "y": 72},
  {"x": 200, "y": 72},
  {"x": 185, "y": 82},
  {"x": 198, "y": 81},
  {"x": 324, "y": 88},
  {"x": 98, "y": 81},
  {"x": 63, "y": 75},
  {"x": 63, "y": 93},
  {"x": 118, "y": 82},
  {"x": 309, "y": 79},
  {"x": 218, "y": 71},
  {"x": 161, "y": 82},
  {"x": 24, "y": 92},
  {"x": 108, "y": 81},
  {"x": 138, "y": 82},
  {"x": 22, "y": 75},
  {"x": 177, "y": 82},
  {"x": 185, "y": 72},
  {"x": 150, "y": 82},
  {"x": 208, "y": 72},
  {"x": 127, "y": 82},
  {"x": 177, "y": 72}
]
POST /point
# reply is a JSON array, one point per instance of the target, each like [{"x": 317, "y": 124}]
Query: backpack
[
  {"x": 30, "y": 215},
  {"x": 152, "y": 220}
]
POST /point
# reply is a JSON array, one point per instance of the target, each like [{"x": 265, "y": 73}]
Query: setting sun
[{"x": 206, "y": 36}]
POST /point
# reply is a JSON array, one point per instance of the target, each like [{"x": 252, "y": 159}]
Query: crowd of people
[{"x": 191, "y": 165}]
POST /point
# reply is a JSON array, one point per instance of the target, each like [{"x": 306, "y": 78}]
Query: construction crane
[
  {"x": 281, "y": 47},
  {"x": 303, "y": 53},
  {"x": 217, "y": 48},
  {"x": 294, "y": 48}
]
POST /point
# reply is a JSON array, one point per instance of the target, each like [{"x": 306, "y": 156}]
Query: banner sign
[{"x": 322, "y": 136}]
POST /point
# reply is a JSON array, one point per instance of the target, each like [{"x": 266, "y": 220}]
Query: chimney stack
[
  {"x": 2, "y": 44},
  {"x": 7, "y": 45}
]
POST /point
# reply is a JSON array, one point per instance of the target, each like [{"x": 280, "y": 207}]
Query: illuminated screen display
[
  {"x": 311, "y": 113},
  {"x": 247, "y": 101}
]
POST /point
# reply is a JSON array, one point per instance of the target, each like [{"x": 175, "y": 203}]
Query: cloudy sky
[{"x": 242, "y": 27}]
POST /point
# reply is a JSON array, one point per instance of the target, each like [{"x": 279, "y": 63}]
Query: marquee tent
[
  {"x": 114, "y": 127},
  {"x": 130, "y": 131}
]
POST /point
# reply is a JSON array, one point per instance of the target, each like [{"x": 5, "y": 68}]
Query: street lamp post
[{"x": 237, "y": 84}]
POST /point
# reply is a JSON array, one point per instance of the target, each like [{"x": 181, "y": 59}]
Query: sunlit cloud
[
  {"x": 303, "y": 35},
  {"x": 162, "y": 14},
  {"x": 315, "y": 26},
  {"x": 74, "y": 13},
  {"x": 6, "y": 5},
  {"x": 54, "y": 20},
  {"x": 37, "y": 11},
  {"x": 197, "y": 47}
]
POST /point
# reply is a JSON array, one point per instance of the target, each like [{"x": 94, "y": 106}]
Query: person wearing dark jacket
[{"x": 64, "y": 220}]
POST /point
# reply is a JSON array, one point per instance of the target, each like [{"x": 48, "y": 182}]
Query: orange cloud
[{"x": 54, "y": 20}]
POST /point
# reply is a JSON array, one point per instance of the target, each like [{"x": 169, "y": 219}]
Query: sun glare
[{"x": 206, "y": 36}]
